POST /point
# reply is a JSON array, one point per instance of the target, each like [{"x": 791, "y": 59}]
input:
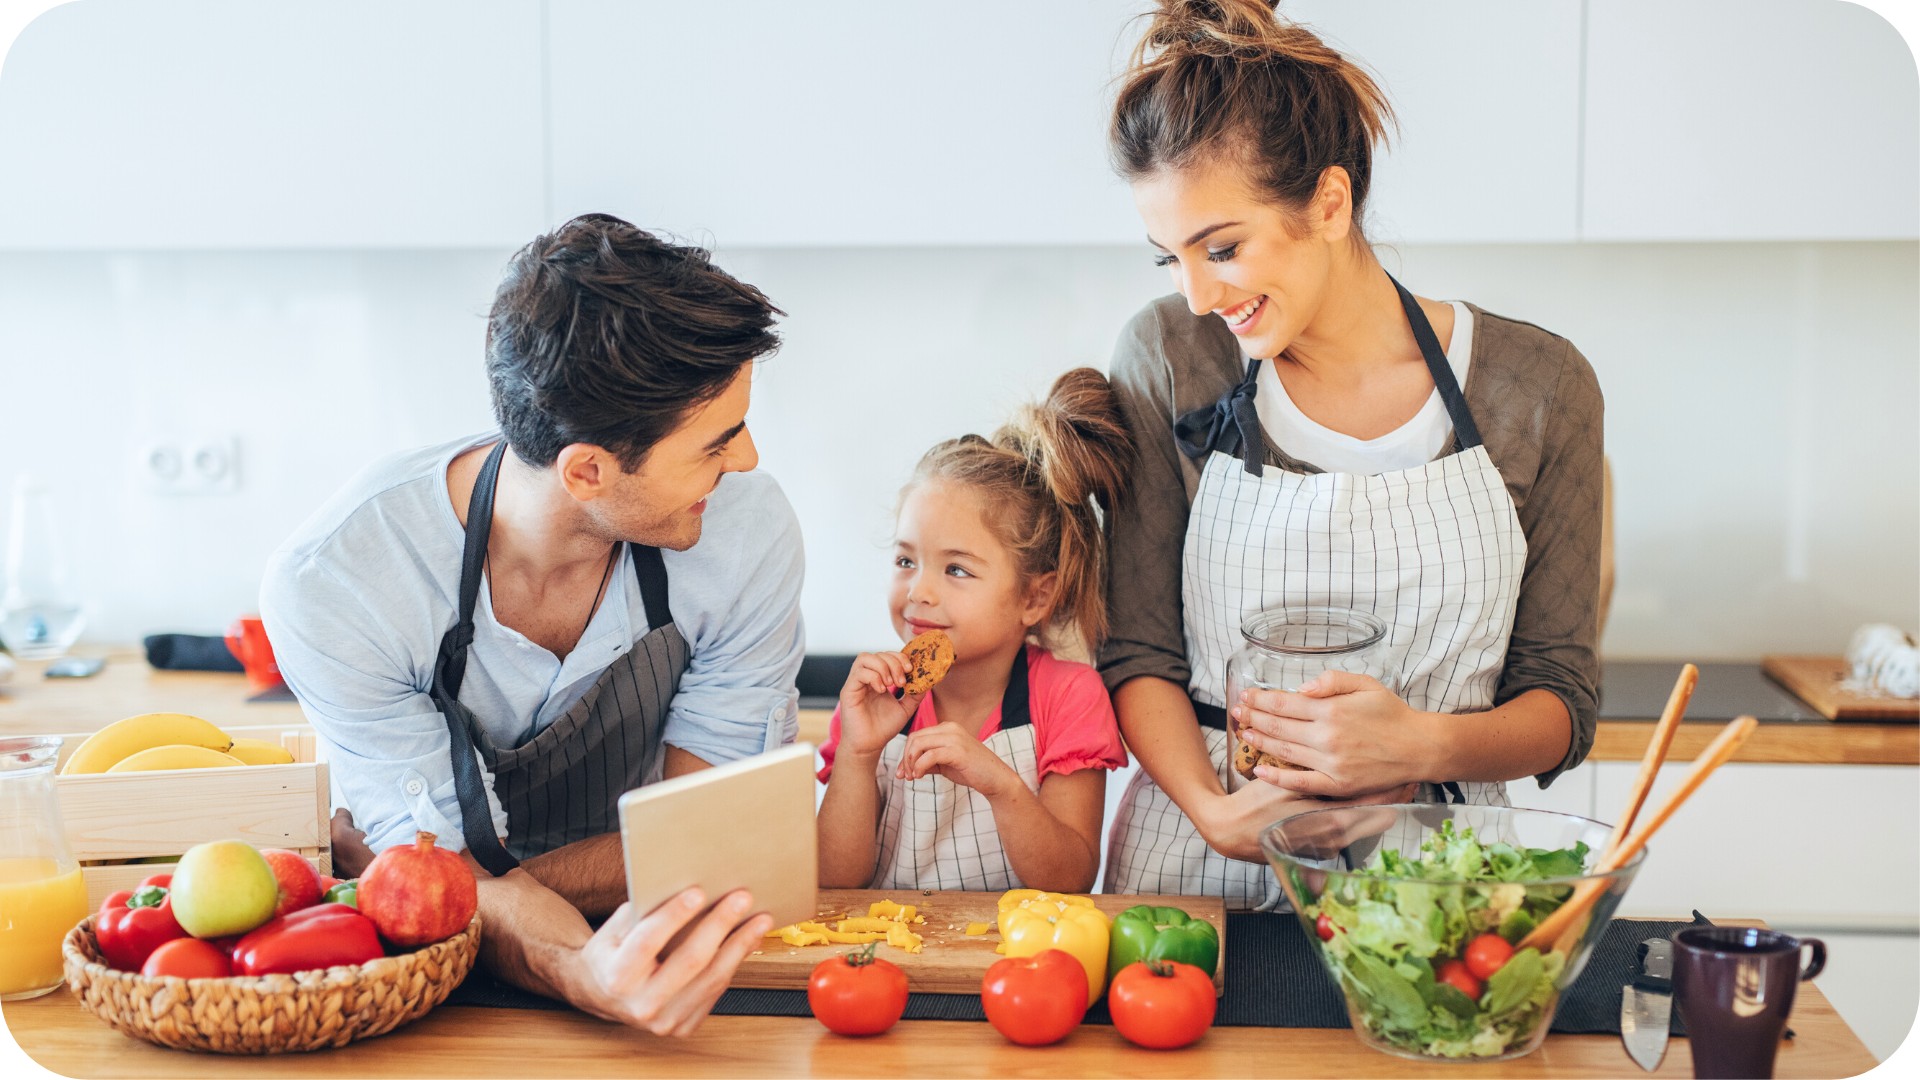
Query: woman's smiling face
[{"x": 1235, "y": 254}]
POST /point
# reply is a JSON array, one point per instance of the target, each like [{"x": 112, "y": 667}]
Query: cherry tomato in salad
[
  {"x": 1455, "y": 972},
  {"x": 1324, "y": 927},
  {"x": 1161, "y": 1004},
  {"x": 855, "y": 994},
  {"x": 1487, "y": 954}
]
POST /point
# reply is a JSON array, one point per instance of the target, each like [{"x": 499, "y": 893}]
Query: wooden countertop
[
  {"x": 31, "y": 704},
  {"x": 467, "y": 1041},
  {"x": 1634, "y": 691}
]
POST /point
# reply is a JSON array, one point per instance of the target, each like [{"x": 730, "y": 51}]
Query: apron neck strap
[
  {"x": 1466, "y": 434},
  {"x": 1014, "y": 708},
  {"x": 1230, "y": 425},
  {"x": 473, "y": 562}
]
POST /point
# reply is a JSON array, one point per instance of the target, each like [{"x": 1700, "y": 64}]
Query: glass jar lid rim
[
  {"x": 1257, "y": 628},
  {"x": 22, "y": 753}
]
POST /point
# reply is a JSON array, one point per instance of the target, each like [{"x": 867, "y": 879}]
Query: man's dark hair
[{"x": 603, "y": 333}]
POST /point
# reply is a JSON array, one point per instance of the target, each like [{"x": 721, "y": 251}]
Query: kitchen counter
[
  {"x": 467, "y": 1041},
  {"x": 1632, "y": 695}
]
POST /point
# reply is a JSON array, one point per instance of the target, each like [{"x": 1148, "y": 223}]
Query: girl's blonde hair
[{"x": 1041, "y": 476}]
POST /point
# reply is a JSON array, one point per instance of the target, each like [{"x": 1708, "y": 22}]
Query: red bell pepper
[
  {"x": 322, "y": 936},
  {"x": 132, "y": 923}
]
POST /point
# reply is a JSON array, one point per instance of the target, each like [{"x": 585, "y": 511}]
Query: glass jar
[
  {"x": 1286, "y": 647},
  {"x": 42, "y": 895},
  {"x": 40, "y": 614}
]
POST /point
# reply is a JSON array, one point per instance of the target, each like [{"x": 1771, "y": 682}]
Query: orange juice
[{"x": 38, "y": 905}]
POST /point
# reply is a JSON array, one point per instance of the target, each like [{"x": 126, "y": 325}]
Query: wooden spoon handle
[
  {"x": 1655, "y": 756},
  {"x": 1555, "y": 926}
]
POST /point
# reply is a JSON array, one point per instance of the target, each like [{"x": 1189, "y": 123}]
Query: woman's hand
[
  {"x": 946, "y": 749},
  {"x": 1353, "y": 735},
  {"x": 869, "y": 713},
  {"x": 1232, "y": 824}
]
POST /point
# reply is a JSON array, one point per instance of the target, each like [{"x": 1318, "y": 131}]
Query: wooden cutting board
[
  {"x": 949, "y": 962},
  {"x": 1816, "y": 681}
]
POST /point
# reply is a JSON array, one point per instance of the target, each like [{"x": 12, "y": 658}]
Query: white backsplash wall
[{"x": 1763, "y": 407}]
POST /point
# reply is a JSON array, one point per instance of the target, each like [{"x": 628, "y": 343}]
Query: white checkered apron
[
  {"x": 1435, "y": 552},
  {"x": 936, "y": 834}
]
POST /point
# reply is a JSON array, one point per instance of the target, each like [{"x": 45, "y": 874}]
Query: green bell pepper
[
  {"x": 1162, "y": 933},
  {"x": 346, "y": 892}
]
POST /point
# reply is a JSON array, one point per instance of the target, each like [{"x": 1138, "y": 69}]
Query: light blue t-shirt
[{"x": 357, "y": 600}]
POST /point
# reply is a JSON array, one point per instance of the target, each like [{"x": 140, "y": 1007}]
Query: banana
[
  {"x": 260, "y": 752},
  {"x": 174, "y": 757},
  {"x": 124, "y": 738}
]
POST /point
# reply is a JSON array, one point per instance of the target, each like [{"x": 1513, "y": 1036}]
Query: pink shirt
[{"x": 1073, "y": 723}]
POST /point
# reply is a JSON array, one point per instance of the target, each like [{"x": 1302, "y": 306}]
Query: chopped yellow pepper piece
[
  {"x": 867, "y": 923},
  {"x": 902, "y": 938},
  {"x": 975, "y": 929},
  {"x": 793, "y": 935},
  {"x": 887, "y": 909}
]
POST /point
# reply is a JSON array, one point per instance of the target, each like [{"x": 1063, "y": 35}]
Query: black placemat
[{"x": 1274, "y": 979}]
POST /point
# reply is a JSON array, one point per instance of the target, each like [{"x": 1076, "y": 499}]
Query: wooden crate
[{"x": 152, "y": 815}]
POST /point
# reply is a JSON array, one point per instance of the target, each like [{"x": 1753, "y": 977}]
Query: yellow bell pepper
[
  {"x": 902, "y": 938},
  {"x": 978, "y": 929},
  {"x": 858, "y": 923},
  {"x": 1032, "y": 924},
  {"x": 887, "y": 909}
]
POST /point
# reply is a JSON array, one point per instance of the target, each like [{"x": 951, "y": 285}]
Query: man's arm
[{"x": 741, "y": 617}]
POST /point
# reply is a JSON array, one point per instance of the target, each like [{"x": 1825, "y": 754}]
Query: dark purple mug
[{"x": 1734, "y": 987}]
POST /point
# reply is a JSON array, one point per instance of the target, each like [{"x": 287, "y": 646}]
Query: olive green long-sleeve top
[{"x": 1539, "y": 411}]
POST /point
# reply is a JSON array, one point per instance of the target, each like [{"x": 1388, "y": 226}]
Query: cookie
[
  {"x": 930, "y": 655},
  {"x": 1245, "y": 758}
]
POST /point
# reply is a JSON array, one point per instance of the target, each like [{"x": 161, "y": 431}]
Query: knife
[{"x": 1646, "y": 1004}]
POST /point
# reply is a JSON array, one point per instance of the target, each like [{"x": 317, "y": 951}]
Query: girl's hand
[
  {"x": 1355, "y": 736},
  {"x": 946, "y": 749},
  {"x": 869, "y": 713}
]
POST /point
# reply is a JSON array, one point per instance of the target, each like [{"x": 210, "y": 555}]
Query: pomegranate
[{"x": 418, "y": 895}]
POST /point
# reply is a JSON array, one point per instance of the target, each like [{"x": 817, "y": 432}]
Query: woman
[{"x": 1296, "y": 410}]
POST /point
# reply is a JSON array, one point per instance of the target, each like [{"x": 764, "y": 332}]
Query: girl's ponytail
[{"x": 1043, "y": 474}]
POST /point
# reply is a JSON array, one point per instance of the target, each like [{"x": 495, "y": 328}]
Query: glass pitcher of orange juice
[{"x": 42, "y": 895}]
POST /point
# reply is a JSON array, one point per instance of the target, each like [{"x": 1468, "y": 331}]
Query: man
[{"x": 497, "y": 637}]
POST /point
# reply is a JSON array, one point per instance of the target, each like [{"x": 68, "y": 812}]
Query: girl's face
[
  {"x": 951, "y": 573},
  {"x": 1232, "y": 255}
]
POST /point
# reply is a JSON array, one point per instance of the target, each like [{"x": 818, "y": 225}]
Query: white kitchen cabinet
[
  {"x": 1733, "y": 120},
  {"x": 1571, "y": 793},
  {"x": 234, "y": 124},
  {"x": 1488, "y": 99},
  {"x": 878, "y": 123},
  {"x": 1814, "y": 846},
  {"x": 773, "y": 123}
]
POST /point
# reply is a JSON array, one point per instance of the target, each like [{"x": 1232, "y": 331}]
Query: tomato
[
  {"x": 1161, "y": 1004},
  {"x": 188, "y": 958},
  {"x": 1455, "y": 972},
  {"x": 1324, "y": 927},
  {"x": 1035, "y": 1000},
  {"x": 855, "y": 994},
  {"x": 1487, "y": 954}
]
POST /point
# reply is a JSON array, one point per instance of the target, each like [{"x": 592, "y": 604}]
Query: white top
[
  {"x": 1408, "y": 446},
  {"x": 356, "y": 602}
]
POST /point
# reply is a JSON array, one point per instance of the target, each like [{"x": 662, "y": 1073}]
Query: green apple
[{"x": 222, "y": 888}]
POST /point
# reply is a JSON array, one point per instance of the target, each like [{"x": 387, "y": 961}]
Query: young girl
[{"x": 996, "y": 779}]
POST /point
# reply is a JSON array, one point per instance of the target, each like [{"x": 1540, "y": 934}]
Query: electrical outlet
[{"x": 203, "y": 465}]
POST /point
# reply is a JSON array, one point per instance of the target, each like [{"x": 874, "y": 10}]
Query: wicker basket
[{"x": 269, "y": 1014}]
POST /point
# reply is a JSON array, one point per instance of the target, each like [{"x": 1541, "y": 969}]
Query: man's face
[{"x": 660, "y": 504}]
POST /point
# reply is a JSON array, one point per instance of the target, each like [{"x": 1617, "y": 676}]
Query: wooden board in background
[
  {"x": 949, "y": 962},
  {"x": 1816, "y": 681}
]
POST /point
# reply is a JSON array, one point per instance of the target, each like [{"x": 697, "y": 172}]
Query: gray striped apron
[
  {"x": 564, "y": 783},
  {"x": 1435, "y": 552}
]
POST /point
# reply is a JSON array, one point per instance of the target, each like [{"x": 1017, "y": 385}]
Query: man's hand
[
  {"x": 619, "y": 974},
  {"x": 949, "y": 750},
  {"x": 350, "y": 851}
]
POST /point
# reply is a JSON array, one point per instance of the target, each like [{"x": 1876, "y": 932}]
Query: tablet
[{"x": 747, "y": 825}]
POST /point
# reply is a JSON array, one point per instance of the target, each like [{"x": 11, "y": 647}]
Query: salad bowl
[{"x": 1418, "y": 910}]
